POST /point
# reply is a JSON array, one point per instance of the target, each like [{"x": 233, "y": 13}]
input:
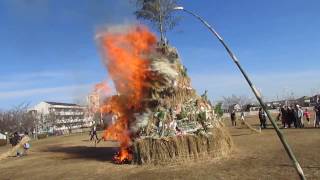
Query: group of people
[
  {"x": 15, "y": 140},
  {"x": 290, "y": 116},
  {"x": 233, "y": 117},
  {"x": 295, "y": 115}
]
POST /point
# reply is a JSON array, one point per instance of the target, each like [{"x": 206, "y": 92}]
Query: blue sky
[{"x": 48, "y": 51}]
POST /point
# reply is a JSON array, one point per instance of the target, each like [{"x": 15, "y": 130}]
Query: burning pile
[{"x": 155, "y": 105}]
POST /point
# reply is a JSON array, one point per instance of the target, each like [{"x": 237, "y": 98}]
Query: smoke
[{"x": 164, "y": 68}]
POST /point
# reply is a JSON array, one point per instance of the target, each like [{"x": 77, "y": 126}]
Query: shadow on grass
[
  {"x": 86, "y": 152},
  {"x": 304, "y": 167},
  {"x": 242, "y": 134}
]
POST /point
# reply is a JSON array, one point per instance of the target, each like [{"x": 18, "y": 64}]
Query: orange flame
[{"x": 128, "y": 69}]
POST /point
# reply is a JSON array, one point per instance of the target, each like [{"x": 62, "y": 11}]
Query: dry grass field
[{"x": 255, "y": 156}]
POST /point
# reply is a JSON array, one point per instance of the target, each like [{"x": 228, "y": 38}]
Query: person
[
  {"x": 317, "y": 115},
  {"x": 262, "y": 118},
  {"x": 298, "y": 113},
  {"x": 15, "y": 139},
  {"x": 291, "y": 117},
  {"x": 26, "y": 147},
  {"x": 306, "y": 114},
  {"x": 93, "y": 133},
  {"x": 233, "y": 118},
  {"x": 242, "y": 116},
  {"x": 284, "y": 116}
]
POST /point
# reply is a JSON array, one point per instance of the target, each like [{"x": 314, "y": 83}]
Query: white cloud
[{"x": 70, "y": 89}]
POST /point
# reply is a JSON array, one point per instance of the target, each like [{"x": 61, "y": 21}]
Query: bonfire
[{"x": 159, "y": 116}]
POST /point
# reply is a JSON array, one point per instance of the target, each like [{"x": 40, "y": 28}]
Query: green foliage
[
  {"x": 218, "y": 109},
  {"x": 158, "y": 13}
]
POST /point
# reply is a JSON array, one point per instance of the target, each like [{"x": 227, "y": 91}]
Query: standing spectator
[
  {"x": 263, "y": 118},
  {"x": 291, "y": 117},
  {"x": 306, "y": 114},
  {"x": 317, "y": 115},
  {"x": 233, "y": 118},
  {"x": 242, "y": 117},
  {"x": 284, "y": 116},
  {"x": 298, "y": 112}
]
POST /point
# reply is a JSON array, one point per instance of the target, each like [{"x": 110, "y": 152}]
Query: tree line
[{"x": 17, "y": 119}]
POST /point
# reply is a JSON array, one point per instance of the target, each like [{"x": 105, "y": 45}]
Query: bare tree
[
  {"x": 52, "y": 121},
  {"x": 17, "y": 119},
  {"x": 159, "y": 13},
  {"x": 234, "y": 99}
]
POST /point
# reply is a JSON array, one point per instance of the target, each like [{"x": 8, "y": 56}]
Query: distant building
[
  {"x": 3, "y": 136},
  {"x": 236, "y": 107},
  {"x": 57, "y": 117},
  {"x": 251, "y": 107},
  {"x": 315, "y": 99},
  {"x": 304, "y": 101}
]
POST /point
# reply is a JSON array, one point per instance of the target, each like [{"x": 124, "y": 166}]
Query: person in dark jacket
[
  {"x": 93, "y": 133},
  {"x": 291, "y": 117},
  {"x": 284, "y": 116},
  {"x": 317, "y": 115},
  {"x": 262, "y": 118},
  {"x": 15, "y": 139}
]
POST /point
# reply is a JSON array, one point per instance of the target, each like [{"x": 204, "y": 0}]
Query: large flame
[{"x": 127, "y": 66}]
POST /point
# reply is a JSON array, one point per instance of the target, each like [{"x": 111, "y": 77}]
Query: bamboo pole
[{"x": 255, "y": 92}]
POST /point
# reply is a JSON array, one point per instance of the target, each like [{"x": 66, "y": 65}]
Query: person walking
[
  {"x": 233, "y": 118},
  {"x": 262, "y": 118},
  {"x": 93, "y": 133}
]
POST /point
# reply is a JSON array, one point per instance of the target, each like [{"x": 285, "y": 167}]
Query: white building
[
  {"x": 2, "y": 136},
  {"x": 57, "y": 117}
]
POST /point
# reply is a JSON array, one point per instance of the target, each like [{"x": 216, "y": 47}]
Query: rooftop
[{"x": 61, "y": 104}]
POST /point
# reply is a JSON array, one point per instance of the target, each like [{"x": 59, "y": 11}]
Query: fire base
[{"x": 215, "y": 144}]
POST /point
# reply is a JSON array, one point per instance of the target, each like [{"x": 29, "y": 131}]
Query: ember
[{"x": 124, "y": 156}]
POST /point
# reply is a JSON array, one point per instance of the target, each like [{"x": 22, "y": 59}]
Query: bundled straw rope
[
  {"x": 250, "y": 127},
  {"x": 13, "y": 150}
]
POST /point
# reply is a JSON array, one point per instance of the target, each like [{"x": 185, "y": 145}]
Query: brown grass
[{"x": 254, "y": 156}]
